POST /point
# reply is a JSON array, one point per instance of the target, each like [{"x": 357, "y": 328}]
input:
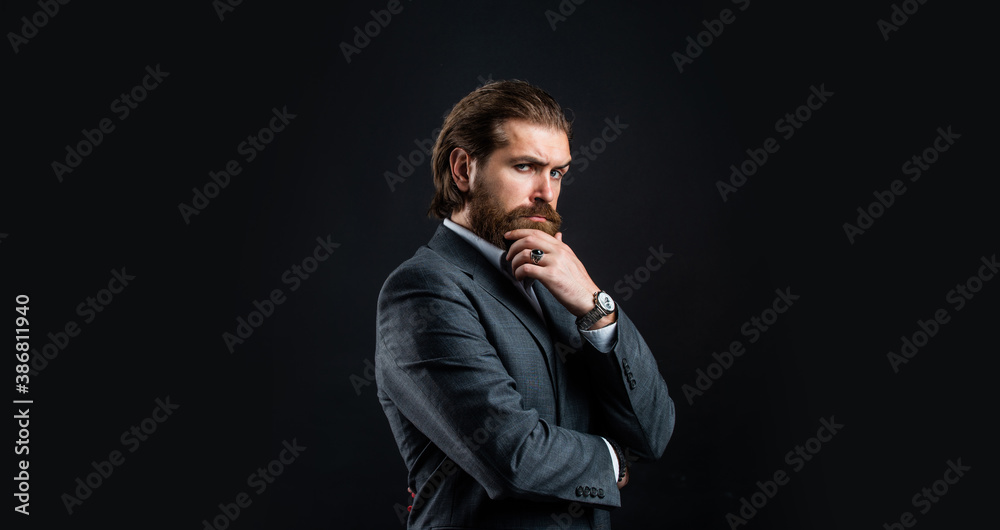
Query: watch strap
[{"x": 586, "y": 320}]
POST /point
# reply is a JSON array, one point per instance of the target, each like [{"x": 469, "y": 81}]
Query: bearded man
[{"x": 518, "y": 392}]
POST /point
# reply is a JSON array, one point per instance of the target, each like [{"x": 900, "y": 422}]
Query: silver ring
[{"x": 536, "y": 255}]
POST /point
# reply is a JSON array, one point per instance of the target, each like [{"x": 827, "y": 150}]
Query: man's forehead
[{"x": 540, "y": 142}]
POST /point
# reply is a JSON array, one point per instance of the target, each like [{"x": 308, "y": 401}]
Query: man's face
[{"x": 518, "y": 186}]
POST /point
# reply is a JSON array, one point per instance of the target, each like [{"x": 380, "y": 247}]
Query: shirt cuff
[
  {"x": 603, "y": 339},
  {"x": 614, "y": 457}
]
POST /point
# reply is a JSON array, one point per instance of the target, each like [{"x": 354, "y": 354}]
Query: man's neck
[{"x": 461, "y": 218}]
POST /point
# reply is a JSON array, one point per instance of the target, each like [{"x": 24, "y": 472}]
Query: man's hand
[
  {"x": 559, "y": 270},
  {"x": 624, "y": 480}
]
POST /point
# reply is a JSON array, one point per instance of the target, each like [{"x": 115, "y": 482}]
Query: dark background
[{"x": 302, "y": 374}]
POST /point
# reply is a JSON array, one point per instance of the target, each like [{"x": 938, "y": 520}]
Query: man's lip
[{"x": 537, "y": 218}]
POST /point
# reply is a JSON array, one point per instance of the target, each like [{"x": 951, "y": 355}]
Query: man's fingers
[
  {"x": 531, "y": 239},
  {"x": 526, "y": 271},
  {"x": 559, "y": 236},
  {"x": 521, "y": 246},
  {"x": 624, "y": 480},
  {"x": 521, "y": 233},
  {"x": 519, "y": 258}
]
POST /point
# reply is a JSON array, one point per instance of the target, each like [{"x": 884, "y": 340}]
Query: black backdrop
[{"x": 302, "y": 376}]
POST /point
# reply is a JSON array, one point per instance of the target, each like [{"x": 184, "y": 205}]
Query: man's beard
[{"x": 490, "y": 221}]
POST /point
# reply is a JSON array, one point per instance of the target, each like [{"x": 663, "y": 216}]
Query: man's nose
[{"x": 543, "y": 189}]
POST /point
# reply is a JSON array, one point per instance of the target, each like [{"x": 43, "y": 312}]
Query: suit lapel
[
  {"x": 472, "y": 262},
  {"x": 560, "y": 322}
]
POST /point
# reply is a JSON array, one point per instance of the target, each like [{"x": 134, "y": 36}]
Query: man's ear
[{"x": 461, "y": 169}]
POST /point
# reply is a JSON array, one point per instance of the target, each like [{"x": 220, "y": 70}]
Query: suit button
[
  {"x": 593, "y": 492},
  {"x": 586, "y": 491},
  {"x": 631, "y": 384},
  {"x": 600, "y": 492},
  {"x": 579, "y": 491}
]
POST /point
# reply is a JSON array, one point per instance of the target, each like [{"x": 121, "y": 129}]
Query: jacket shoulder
[{"x": 426, "y": 268}]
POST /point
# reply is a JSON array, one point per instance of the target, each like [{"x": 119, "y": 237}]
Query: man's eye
[
  {"x": 522, "y": 167},
  {"x": 556, "y": 174}
]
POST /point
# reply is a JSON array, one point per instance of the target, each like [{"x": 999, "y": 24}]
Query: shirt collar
[{"x": 493, "y": 254}]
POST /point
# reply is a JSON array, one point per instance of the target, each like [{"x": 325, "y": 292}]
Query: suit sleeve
[
  {"x": 434, "y": 361},
  {"x": 633, "y": 401}
]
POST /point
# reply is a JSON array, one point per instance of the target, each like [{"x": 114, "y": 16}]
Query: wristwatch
[{"x": 603, "y": 306}]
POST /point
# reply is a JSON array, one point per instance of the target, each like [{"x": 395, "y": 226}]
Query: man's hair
[{"x": 476, "y": 125}]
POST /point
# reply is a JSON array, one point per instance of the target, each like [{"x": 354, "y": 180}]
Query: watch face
[{"x": 606, "y": 302}]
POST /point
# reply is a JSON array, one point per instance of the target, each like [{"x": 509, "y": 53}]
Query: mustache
[{"x": 539, "y": 210}]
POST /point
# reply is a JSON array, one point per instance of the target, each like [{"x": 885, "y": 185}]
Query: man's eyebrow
[{"x": 537, "y": 161}]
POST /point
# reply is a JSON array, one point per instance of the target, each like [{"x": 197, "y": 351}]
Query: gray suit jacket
[{"x": 498, "y": 415}]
